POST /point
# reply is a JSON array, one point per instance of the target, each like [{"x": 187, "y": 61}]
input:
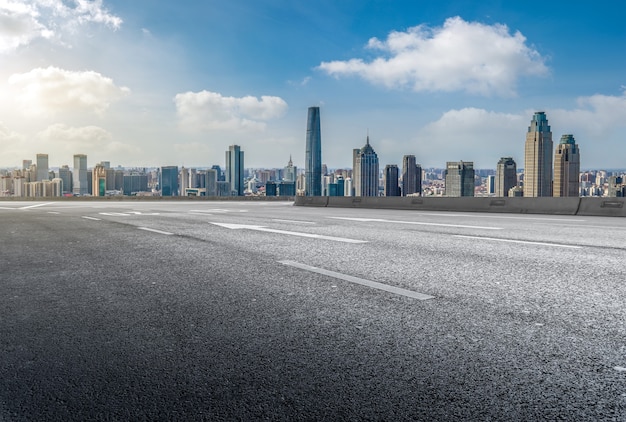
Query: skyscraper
[
  {"x": 169, "y": 181},
  {"x": 506, "y": 176},
  {"x": 184, "y": 181},
  {"x": 42, "y": 167},
  {"x": 567, "y": 167},
  {"x": 80, "y": 185},
  {"x": 66, "y": 176},
  {"x": 234, "y": 170},
  {"x": 290, "y": 172},
  {"x": 538, "y": 157},
  {"x": 411, "y": 176},
  {"x": 99, "y": 180},
  {"x": 313, "y": 162},
  {"x": 365, "y": 171},
  {"x": 391, "y": 180},
  {"x": 459, "y": 178}
]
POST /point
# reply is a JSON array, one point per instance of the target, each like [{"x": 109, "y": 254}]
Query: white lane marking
[
  {"x": 36, "y": 205},
  {"x": 527, "y": 242},
  {"x": 208, "y": 211},
  {"x": 114, "y": 214},
  {"x": 361, "y": 281},
  {"x": 7, "y": 208},
  {"x": 91, "y": 218},
  {"x": 619, "y": 368},
  {"x": 53, "y": 212},
  {"x": 154, "y": 231},
  {"x": 292, "y": 221},
  {"x": 417, "y": 223},
  {"x": 290, "y": 233},
  {"x": 503, "y": 216}
]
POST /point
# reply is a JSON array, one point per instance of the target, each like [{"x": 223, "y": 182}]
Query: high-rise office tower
[
  {"x": 81, "y": 184},
  {"x": 567, "y": 167},
  {"x": 365, "y": 171},
  {"x": 169, "y": 181},
  {"x": 391, "y": 180},
  {"x": 42, "y": 167},
  {"x": 234, "y": 170},
  {"x": 506, "y": 176},
  {"x": 459, "y": 178},
  {"x": 538, "y": 157},
  {"x": 291, "y": 172},
  {"x": 184, "y": 181},
  {"x": 26, "y": 164},
  {"x": 98, "y": 180},
  {"x": 210, "y": 184},
  {"x": 66, "y": 176},
  {"x": 411, "y": 176},
  {"x": 313, "y": 162}
]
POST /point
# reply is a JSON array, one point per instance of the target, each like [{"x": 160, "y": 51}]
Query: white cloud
[
  {"x": 91, "y": 140},
  {"x": 210, "y": 110},
  {"x": 23, "y": 22},
  {"x": 50, "y": 90},
  {"x": 459, "y": 56}
]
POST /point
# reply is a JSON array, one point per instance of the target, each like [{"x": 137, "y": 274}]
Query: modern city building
[
  {"x": 506, "y": 176},
  {"x": 459, "y": 178},
  {"x": 65, "y": 174},
  {"x": 42, "y": 167},
  {"x": 271, "y": 189},
  {"x": 411, "y": 176},
  {"x": 98, "y": 180},
  {"x": 538, "y": 157},
  {"x": 365, "y": 170},
  {"x": 313, "y": 159},
  {"x": 290, "y": 172},
  {"x": 134, "y": 183},
  {"x": 169, "y": 181},
  {"x": 80, "y": 185},
  {"x": 567, "y": 167},
  {"x": 210, "y": 184},
  {"x": 184, "y": 181},
  {"x": 392, "y": 188},
  {"x": 234, "y": 170},
  {"x": 287, "y": 189}
]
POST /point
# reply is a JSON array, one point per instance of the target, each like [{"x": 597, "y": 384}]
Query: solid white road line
[
  {"x": 495, "y": 239},
  {"x": 154, "y": 231},
  {"x": 53, "y": 212},
  {"x": 91, "y": 218},
  {"x": 36, "y": 205},
  {"x": 361, "y": 281},
  {"x": 292, "y": 221},
  {"x": 417, "y": 223},
  {"x": 289, "y": 233}
]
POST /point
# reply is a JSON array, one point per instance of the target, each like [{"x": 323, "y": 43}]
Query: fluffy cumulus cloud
[
  {"x": 207, "y": 110},
  {"x": 91, "y": 140},
  {"x": 473, "y": 134},
  {"x": 22, "y": 22},
  {"x": 459, "y": 56},
  {"x": 51, "y": 90}
]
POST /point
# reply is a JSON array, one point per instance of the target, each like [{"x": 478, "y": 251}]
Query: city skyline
[{"x": 182, "y": 85}]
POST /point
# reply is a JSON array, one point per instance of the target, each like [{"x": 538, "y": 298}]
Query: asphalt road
[{"x": 265, "y": 311}]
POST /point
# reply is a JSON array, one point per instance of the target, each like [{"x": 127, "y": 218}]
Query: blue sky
[{"x": 149, "y": 83}]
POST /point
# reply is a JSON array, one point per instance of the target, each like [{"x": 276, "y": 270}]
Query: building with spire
[
  {"x": 506, "y": 176},
  {"x": 567, "y": 167},
  {"x": 538, "y": 157},
  {"x": 365, "y": 170},
  {"x": 313, "y": 161},
  {"x": 290, "y": 172}
]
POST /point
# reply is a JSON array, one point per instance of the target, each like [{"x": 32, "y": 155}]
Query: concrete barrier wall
[{"x": 613, "y": 207}]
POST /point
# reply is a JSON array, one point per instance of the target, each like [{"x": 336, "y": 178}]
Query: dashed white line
[
  {"x": 417, "y": 223},
  {"x": 286, "y": 232},
  {"x": 155, "y": 231},
  {"x": 91, "y": 218},
  {"x": 527, "y": 242},
  {"x": 361, "y": 281},
  {"x": 36, "y": 205},
  {"x": 52, "y": 212}
]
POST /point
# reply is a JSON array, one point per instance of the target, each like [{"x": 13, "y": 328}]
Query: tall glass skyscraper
[
  {"x": 459, "y": 178},
  {"x": 506, "y": 176},
  {"x": 411, "y": 176},
  {"x": 567, "y": 167},
  {"x": 538, "y": 157},
  {"x": 313, "y": 164},
  {"x": 391, "y": 180},
  {"x": 81, "y": 184},
  {"x": 365, "y": 171},
  {"x": 169, "y": 181},
  {"x": 42, "y": 167},
  {"x": 234, "y": 170}
]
